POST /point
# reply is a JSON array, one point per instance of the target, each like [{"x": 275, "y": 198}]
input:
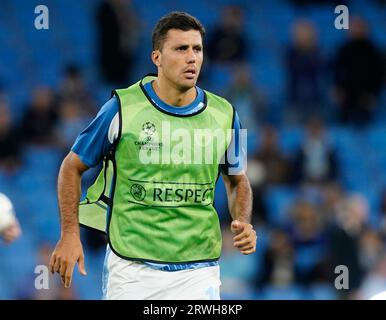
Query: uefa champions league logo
[
  {"x": 148, "y": 128},
  {"x": 148, "y": 138}
]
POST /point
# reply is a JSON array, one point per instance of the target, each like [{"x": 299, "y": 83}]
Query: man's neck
[{"x": 171, "y": 95}]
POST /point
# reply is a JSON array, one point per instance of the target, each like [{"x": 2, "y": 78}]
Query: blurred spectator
[
  {"x": 304, "y": 66},
  {"x": 40, "y": 118},
  {"x": 9, "y": 141},
  {"x": 344, "y": 241},
  {"x": 278, "y": 265},
  {"x": 227, "y": 42},
  {"x": 276, "y": 168},
  {"x": 306, "y": 224},
  {"x": 318, "y": 2},
  {"x": 315, "y": 161},
  {"x": 381, "y": 3},
  {"x": 382, "y": 221},
  {"x": 308, "y": 235},
  {"x": 358, "y": 75},
  {"x": 117, "y": 27},
  {"x": 332, "y": 199},
  {"x": 267, "y": 167},
  {"x": 73, "y": 87},
  {"x": 71, "y": 122},
  {"x": 371, "y": 249},
  {"x": 245, "y": 98}
]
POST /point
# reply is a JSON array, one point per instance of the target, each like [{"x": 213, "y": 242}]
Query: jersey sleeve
[
  {"x": 234, "y": 159},
  {"x": 94, "y": 142}
]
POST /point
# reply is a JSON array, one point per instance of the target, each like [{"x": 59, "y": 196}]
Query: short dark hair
[{"x": 174, "y": 20}]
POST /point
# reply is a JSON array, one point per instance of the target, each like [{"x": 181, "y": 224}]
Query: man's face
[{"x": 180, "y": 58}]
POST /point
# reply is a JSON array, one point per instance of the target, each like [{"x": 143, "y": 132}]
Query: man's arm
[
  {"x": 69, "y": 249},
  {"x": 240, "y": 206}
]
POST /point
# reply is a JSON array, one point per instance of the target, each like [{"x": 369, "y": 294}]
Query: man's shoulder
[
  {"x": 216, "y": 99},
  {"x": 129, "y": 96},
  {"x": 132, "y": 88}
]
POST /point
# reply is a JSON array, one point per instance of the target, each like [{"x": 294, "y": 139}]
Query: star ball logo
[
  {"x": 148, "y": 128},
  {"x": 148, "y": 138},
  {"x": 138, "y": 192}
]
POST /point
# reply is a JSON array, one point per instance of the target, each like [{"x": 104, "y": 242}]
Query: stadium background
[{"x": 312, "y": 98}]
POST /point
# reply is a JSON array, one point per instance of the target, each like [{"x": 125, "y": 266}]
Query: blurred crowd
[{"x": 309, "y": 218}]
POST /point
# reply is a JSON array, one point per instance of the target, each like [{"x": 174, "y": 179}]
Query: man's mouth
[{"x": 190, "y": 73}]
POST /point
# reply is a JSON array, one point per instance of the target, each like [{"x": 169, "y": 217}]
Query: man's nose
[{"x": 191, "y": 56}]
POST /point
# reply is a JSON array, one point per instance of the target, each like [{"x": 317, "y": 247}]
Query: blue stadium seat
[
  {"x": 90, "y": 286},
  {"x": 291, "y": 139},
  {"x": 321, "y": 291},
  {"x": 289, "y": 292},
  {"x": 278, "y": 200},
  {"x": 308, "y": 256},
  {"x": 47, "y": 157},
  {"x": 376, "y": 137},
  {"x": 22, "y": 264}
]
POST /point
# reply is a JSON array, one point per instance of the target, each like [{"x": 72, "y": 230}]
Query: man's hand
[
  {"x": 68, "y": 251},
  {"x": 245, "y": 239}
]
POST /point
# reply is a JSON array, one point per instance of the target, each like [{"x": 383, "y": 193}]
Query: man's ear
[{"x": 156, "y": 57}]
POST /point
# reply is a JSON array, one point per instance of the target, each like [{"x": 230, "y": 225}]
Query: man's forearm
[
  {"x": 240, "y": 199},
  {"x": 69, "y": 190}
]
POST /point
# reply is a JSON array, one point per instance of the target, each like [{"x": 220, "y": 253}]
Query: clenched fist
[{"x": 245, "y": 237}]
